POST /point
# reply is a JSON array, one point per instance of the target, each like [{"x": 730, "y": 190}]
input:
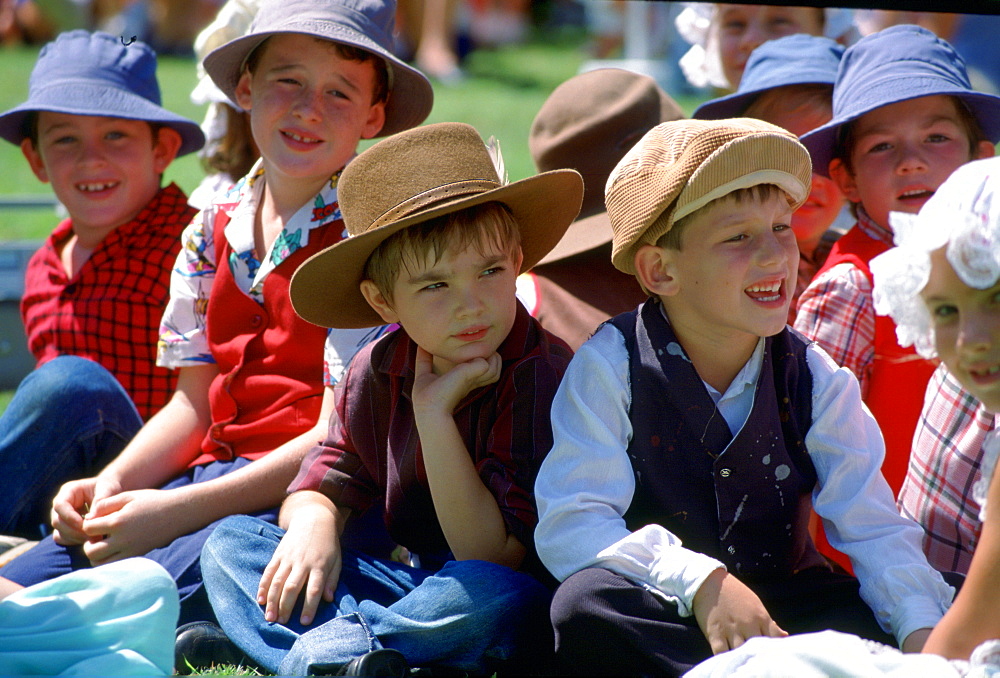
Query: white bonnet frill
[
  {"x": 701, "y": 64},
  {"x": 964, "y": 215}
]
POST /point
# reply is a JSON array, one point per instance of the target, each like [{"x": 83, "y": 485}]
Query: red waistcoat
[
  {"x": 899, "y": 375},
  {"x": 270, "y": 383}
]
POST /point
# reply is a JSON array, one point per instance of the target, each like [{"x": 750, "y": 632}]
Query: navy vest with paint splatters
[{"x": 742, "y": 499}]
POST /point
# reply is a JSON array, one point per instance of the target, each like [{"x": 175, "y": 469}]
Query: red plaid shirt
[
  {"x": 372, "y": 453},
  {"x": 944, "y": 465},
  {"x": 110, "y": 311},
  {"x": 837, "y": 312}
]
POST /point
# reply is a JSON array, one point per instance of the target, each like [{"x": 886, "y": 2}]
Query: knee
[
  {"x": 579, "y": 602},
  {"x": 70, "y": 379}
]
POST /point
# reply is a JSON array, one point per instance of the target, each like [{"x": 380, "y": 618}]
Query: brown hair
[
  {"x": 478, "y": 226},
  {"x": 791, "y": 99},
  {"x": 380, "y": 90},
  {"x": 236, "y": 151},
  {"x": 759, "y": 193}
]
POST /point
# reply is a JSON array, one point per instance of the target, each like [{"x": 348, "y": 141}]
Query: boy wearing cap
[
  {"x": 690, "y": 435},
  {"x": 316, "y": 79},
  {"x": 440, "y": 425},
  {"x": 94, "y": 128},
  {"x": 904, "y": 117},
  {"x": 587, "y": 124},
  {"x": 788, "y": 82}
]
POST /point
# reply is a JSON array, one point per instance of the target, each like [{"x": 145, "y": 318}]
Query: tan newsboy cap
[{"x": 679, "y": 167}]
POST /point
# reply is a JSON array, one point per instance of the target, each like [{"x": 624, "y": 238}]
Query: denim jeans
[
  {"x": 67, "y": 420},
  {"x": 180, "y": 557},
  {"x": 470, "y": 615}
]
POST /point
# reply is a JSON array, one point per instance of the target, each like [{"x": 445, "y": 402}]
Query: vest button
[
  {"x": 725, "y": 473},
  {"x": 731, "y": 549},
  {"x": 255, "y": 321}
]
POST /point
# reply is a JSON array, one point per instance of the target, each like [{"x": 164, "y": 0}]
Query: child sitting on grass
[{"x": 441, "y": 425}]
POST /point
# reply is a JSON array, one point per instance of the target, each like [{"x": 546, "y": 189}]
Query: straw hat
[
  {"x": 588, "y": 123},
  {"x": 679, "y": 167},
  {"x": 412, "y": 177},
  {"x": 366, "y": 24}
]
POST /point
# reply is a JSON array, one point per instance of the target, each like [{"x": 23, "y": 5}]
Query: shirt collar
[{"x": 872, "y": 229}]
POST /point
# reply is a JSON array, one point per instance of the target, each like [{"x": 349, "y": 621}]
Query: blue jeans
[
  {"x": 67, "y": 420},
  {"x": 470, "y": 615},
  {"x": 180, "y": 557}
]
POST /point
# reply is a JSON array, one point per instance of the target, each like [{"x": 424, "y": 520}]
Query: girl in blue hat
[{"x": 904, "y": 117}]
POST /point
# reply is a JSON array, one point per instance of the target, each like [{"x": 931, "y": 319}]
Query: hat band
[{"x": 435, "y": 195}]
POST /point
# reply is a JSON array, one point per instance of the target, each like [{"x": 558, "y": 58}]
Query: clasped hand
[{"x": 111, "y": 524}]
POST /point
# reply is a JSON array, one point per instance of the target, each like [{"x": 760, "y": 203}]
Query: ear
[
  {"x": 242, "y": 92},
  {"x": 984, "y": 149},
  {"x": 376, "y": 119},
  {"x": 377, "y": 300},
  {"x": 34, "y": 159},
  {"x": 654, "y": 266},
  {"x": 844, "y": 179},
  {"x": 165, "y": 147}
]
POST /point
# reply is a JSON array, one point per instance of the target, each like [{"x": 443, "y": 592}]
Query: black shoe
[
  {"x": 201, "y": 645},
  {"x": 377, "y": 663}
]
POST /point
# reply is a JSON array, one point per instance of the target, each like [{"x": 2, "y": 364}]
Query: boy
[
  {"x": 587, "y": 124},
  {"x": 788, "y": 82},
  {"x": 441, "y": 425},
  {"x": 700, "y": 419},
  {"x": 94, "y": 128},
  {"x": 250, "y": 392},
  {"x": 904, "y": 117}
]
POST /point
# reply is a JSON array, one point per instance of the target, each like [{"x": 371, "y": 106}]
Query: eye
[
  {"x": 492, "y": 270},
  {"x": 737, "y": 238},
  {"x": 943, "y": 312},
  {"x": 938, "y": 138},
  {"x": 339, "y": 94},
  {"x": 433, "y": 286},
  {"x": 879, "y": 147},
  {"x": 289, "y": 81},
  {"x": 115, "y": 135},
  {"x": 779, "y": 228}
]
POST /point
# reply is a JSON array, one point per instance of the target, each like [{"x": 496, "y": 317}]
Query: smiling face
[
  {"x": 731, "y": 281},
  {"x": 309, "y": 107},
  {"x": 966, "y": 325},
  {"x": 901, "y": 153},
  {"x": 742, "y": 28},
  {"x": 103, "y": 170},
  {"x": 458, "y": 306}
]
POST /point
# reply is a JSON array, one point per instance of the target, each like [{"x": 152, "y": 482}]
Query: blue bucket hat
[
  {"x": 83, "y": 73},
  {"x": 365, "y": 24},
  {"x": 897, "y": 64},
  {"x": 792, "y": 60}
]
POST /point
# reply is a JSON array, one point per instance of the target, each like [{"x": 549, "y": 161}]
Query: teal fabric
[{"x": 114, "y": 620}]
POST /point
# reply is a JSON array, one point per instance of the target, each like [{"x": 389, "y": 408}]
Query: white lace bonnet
[
  {"x": 701, "y": 64},
  {"x": 964, "y": 216}
]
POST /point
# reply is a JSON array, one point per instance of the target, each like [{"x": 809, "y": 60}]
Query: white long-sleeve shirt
[{"x": 586, "y": 484}]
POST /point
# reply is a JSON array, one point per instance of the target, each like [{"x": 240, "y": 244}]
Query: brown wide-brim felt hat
[
  {"x": 366, "y": 24},
  {"x": 679, "y": 167},
  {"x": 588, "y": 123},
  {"x": 407, "y": 179}
]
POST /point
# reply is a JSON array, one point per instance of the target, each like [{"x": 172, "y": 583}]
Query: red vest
[
  {"x": 270, "y": 383},
  {"x": 898, "y": 377}
]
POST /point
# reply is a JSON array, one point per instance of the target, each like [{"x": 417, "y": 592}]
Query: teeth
[
  {"x": 94, "y": 187},
  {"x": 990, "y": 372},
  {"x": 298, "y": 138},
  {"x": 914, "y": 193},
  {"x": 772, "y": 287}
]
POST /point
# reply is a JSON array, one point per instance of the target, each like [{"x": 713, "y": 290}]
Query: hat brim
[
  {"x": 410, "y": 100},
  {"x": 102, "y": 101},
  {"x": 582, "y": 236},
  {"x": 822, "y": 141},
  {"x": 734, "y": 105},
  {"x": 325, "y": 289}
]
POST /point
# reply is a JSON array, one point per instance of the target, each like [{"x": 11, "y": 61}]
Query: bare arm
[
  {"x": 972, "y": 618},
  {"x": 8, "y": 587},
  {"x": 132, "y": 523},
  {"x": 467, "y": 511}
]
